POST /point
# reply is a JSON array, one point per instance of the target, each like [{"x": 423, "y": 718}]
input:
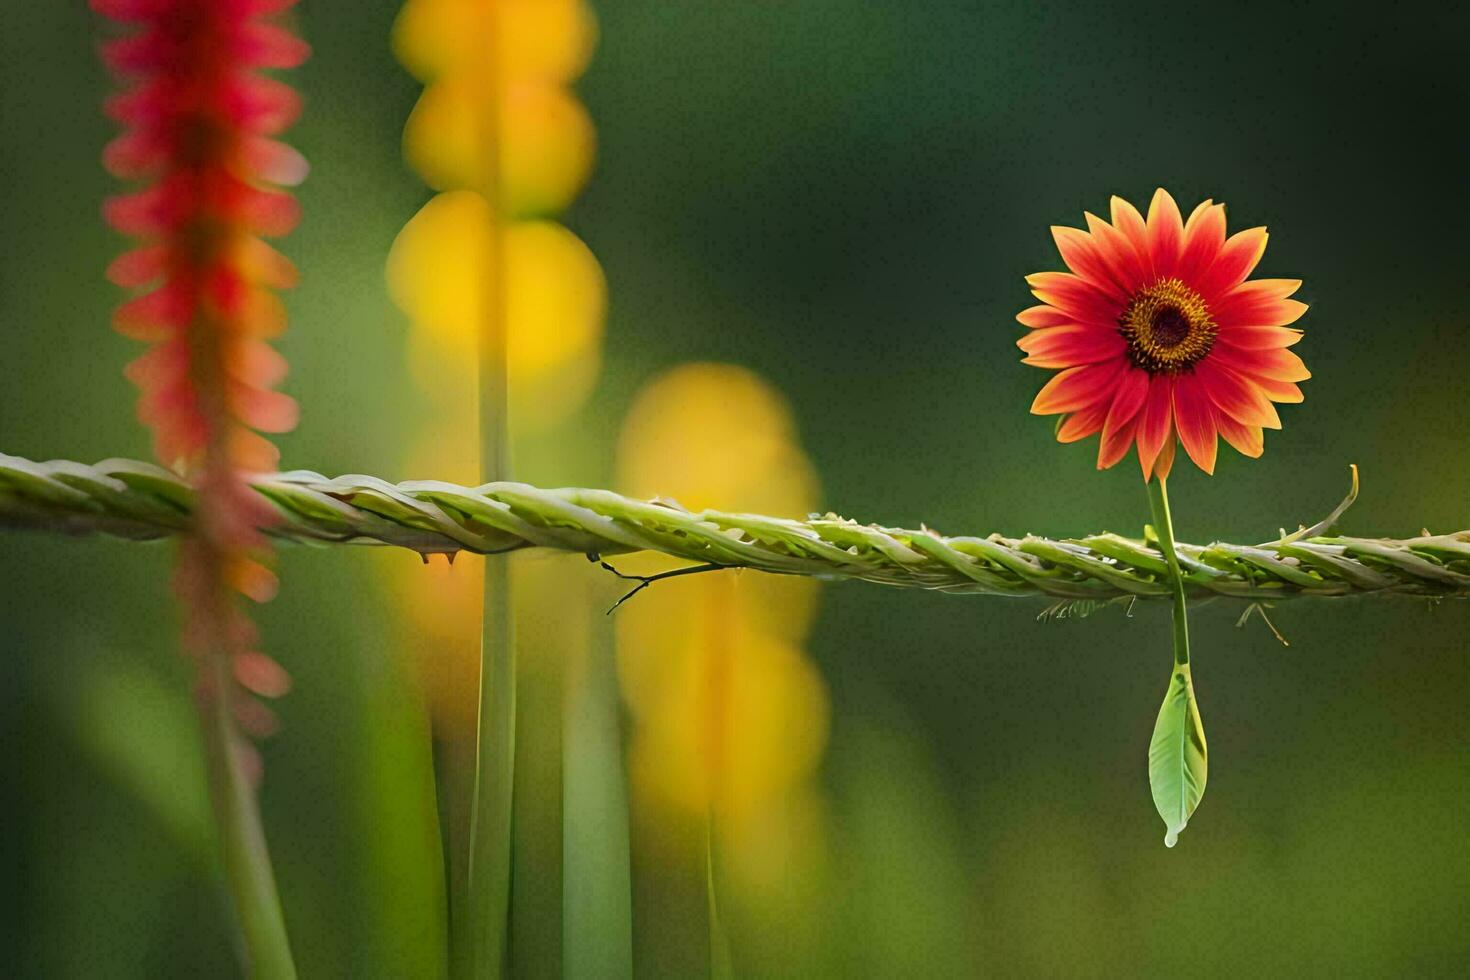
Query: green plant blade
[
  {"x": 493, "y": 806},
  {"x": 597, "y": 889},
  {"x": 1178, "y": 760}
]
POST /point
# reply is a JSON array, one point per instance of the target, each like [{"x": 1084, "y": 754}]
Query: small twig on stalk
[
  {"x": 1325, "y": 525},
  {"x": 644, "y": 581},
  {"x": 1259, "y": 609}
]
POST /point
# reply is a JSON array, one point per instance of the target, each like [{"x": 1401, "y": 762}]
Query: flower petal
[
  {"x": 252, "y": 579},
  {"x": 138, "y": 267},
  {"x": 268, "y": 213},
  {"x": 261, "y": 675},
  {"x": 1037, "y": 317},
  {"x": 262, "y": 104},
  {"x": 142, "y": 213},
  {"x": 1115, "y": 443},
  {"x": 257, "y": 364},
  {"x": 1165, "y": 233},
  {"x": 1280, "y": 391},
  {"x": 136, "y": 153},
  {"x": 273, "y": 161},
  {"x": 1077, "y": 388},
  {"x": 263, "y": 409},
  {"x": 1195, "y": 418},
  {"x": 259, "y": 263},
  {"x": 1247, "y": 439},
  {"x": 160, "y": 366},
  {"x": 1063, "y": 347},
  {"x": 1236, "y": 260},
  {"x": 1275, "y": 288},
  {"x": 1082, "y": 255},
  {"x": 1122, "y": 259},
  {"x": 1277, "y": 364},
  {"x": 1204, "y": 233},
  {"x": 1131, "y": 393},
  {"x": 1165, "y": 461},
  {"x": 270, "y": 46},
  {"x": 158, "y": 315},
  {"x": 1074, "y": 295},
  {"x": 1235, "y": 395},
  {"x": 252, "y": 451},
  {"x": 1121, "y": 424},
  {"x": 1156, "y": 421},
  {"x": 1259, "y": 303},
  {"x": 1128, "y": 221},
  {"x": 1084, "y": 423},
  {"x": 1260, "y": 338}
]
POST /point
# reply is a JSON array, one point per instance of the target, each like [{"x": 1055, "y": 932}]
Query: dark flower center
[{"x": 1168, "y": 328}]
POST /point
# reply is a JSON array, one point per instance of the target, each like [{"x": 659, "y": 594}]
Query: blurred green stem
[
  {"x": 265, "y": 948},
  {"x": 597, "y": 897},
  {"x": 721, "y": 965},
  {"x": 1158, "y": 498},
  {"x": 492, "y": 809}
]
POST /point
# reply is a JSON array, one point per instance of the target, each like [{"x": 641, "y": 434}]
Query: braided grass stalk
[{"x": 140, "y": 501}]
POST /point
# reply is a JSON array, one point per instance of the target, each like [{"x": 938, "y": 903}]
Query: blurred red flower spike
[
  {"x": 254, "y": 453},
  {"x": 138, "y": 267},
  {"x": 262, "y": 105},
  {"x": 257, "y": 362},
  {"x": 264, "y": 266},
  {"x": 274, "y": 162},
  {"x": 268, "y": 213},
  {"x": 251, "y": 578},
  {"x": 255, "y": 719},
  {"x": 157, "y": 316},
  {"x": 262, "y": 675},
  {"x": 269, "y": 46},
  {"x": 161, "y": 365},
  {"x": 135, "y": 154},
  {"x": 139, "y": 52},
  {"x": 197, "y": 117},
  {"x": 262, "y": 409},
  {"x": 144, "y": 213}
]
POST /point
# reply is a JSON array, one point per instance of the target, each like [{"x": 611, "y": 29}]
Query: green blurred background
[{"x": 843, "y": 197}]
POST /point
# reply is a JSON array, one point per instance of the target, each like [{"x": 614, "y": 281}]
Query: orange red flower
[{"x": 1160, "y": 336}]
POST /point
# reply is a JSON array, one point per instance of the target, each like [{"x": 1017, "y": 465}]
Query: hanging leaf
[{"x": 1177, "y": 757}]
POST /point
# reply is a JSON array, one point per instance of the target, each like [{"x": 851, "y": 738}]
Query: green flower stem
[
  {"x": 1178, "y": 757},
  {"x": 1158, "y": 498},
  {"x": 264, "y": 945}
]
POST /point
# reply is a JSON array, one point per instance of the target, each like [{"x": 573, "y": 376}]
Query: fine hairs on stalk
[{"x": 137, "y": 500}]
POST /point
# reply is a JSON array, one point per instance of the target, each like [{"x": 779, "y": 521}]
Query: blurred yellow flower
[
  {"x": 715, "y": 435},
  {"x": 546, "y": 40},
  {"x": 543, "y": 142},
  {"x": 545, "y": 151},
  {"x": 555, "y": 304},
  {"x": 499, "y": 132},
  {"x": 729, "y": 715}
]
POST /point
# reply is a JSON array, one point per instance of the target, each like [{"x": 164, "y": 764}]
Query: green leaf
[{"x": 1178, "y": 760}]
